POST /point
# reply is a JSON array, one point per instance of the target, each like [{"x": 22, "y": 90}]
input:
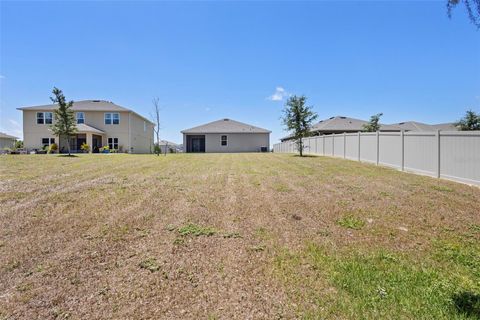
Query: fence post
[
  {"x": 378, "y": 147},
  {"x": 359, "y": 146},
  {"x": 437, "y": 138},
  {"x": 323, "y": 142},
  {"x": 402, "y": 138},
  {"x": 344, "y": 145}
]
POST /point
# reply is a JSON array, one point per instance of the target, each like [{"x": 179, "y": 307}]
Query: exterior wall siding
[
  {"x": 236, "y": 142},
  {"x": 451, "y": 155}
]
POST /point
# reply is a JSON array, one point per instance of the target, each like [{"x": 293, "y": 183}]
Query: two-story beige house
[{"x": 99, "y": 123}]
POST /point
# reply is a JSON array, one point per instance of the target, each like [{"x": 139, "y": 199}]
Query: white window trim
[
  {"x": 83, "y": 118},
  {"x": 44, "y": 119},
  {"x": 111, "y": 118}
]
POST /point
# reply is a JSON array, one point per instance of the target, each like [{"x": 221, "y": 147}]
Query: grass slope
[{"x": 221, "y": 236}]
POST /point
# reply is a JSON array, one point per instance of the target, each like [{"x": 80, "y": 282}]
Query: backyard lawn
[{"x": 233, "y": 236}]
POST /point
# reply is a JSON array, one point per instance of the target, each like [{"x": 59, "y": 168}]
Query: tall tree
[
  {"x": 373, "y": 125},
  {"x": 472, "y": 6},
  {"x": 156, "y": 128},
  {"x": 471, "y": 121},
  {"x": 298, "y": 118},
  {"x": 64, "y": 125}
]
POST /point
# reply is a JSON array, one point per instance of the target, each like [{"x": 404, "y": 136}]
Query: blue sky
[{"x": 212, "y": 60}]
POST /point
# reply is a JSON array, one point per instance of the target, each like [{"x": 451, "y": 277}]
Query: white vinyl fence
[{"x": 453, "y": 155}]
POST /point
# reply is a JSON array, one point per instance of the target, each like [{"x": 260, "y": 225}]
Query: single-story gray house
[
  {"x": 7, "y": 141},
  {"x": 226, "y": 135}
]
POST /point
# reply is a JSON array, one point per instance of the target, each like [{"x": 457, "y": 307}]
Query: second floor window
[
  {"x": 80, "y": 117},
  {"x": 44, "y": 117},
  {"x": 112, "y": 118}
]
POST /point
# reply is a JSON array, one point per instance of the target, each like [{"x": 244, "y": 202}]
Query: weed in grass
[
  {"x": 351, "y": 222},
  {"x": 232, "y": 235},
  {"x": 385, "y": 194},
  {"x": 170, "y": 227},
  {"x": 442, "y": 188},
  {"x": 150, "y": 264},
  {"x": 196, "y": 230},
  {"x": 179, "y": 241},
  {"x": 258, "y": 248},
  {"x": 281, "y": 188}
]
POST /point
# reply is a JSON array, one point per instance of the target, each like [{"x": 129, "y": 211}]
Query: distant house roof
[
  {"x": 414, "y": 126},
  {"x": 165, "y": 142},
  {"x": 7, "y": 136},
  {"x": 226, "y": 126},
  {"x": 424, "y": 127},
  {"x": 341, "y": 124},
  {"x": 87, "y": 105},
  {"x": 345, "y": 124},
  {"x": 82, "y": 127},
  {"x": 445, "y": 126}
]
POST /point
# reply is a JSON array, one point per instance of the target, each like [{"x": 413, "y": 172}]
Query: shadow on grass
[
  {"x": 467, "y": 303},
  {"x": 306, "y": 156},
  {"x": 67, "y": 156}
]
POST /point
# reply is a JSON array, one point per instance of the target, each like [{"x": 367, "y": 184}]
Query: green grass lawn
[{"x": 233, "y": 236}]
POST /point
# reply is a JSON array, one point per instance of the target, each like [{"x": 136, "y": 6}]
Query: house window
[
  {"x": 48, "y": 117},
  {"x": 224, "y": 140},
  {"x": 40, "y": 118},
  {"x": 113, "y": 143},
  {"x": 44, "y": 117},
  {"x": 112, "y": 118},
  {"x": 80, "y": 117},
  {"x": 116, "y": 118},
  {"x": 47, "y": 141}
]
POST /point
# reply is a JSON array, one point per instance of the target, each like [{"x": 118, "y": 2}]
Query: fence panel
[
  {"x": 328, "y": 145},
  {"x": 450, "y": 155},
  {"x": 460, "y": 156},
  {"x": 368, "y": 147},
  {"x": 421, "y": 152},
  {"x": 339, "y": 144},
  {"x": 390, "y": 149},
  {"x": 351, "y": 145}
]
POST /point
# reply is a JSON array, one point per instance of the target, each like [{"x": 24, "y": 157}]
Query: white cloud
[
  {"x": 2, "y": 76},
  {"x": 279, "y": 94}
]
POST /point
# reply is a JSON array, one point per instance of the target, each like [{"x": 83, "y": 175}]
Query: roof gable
[
  {"x": 226, "y": 126},
  {"x": 87, "y": 105}
]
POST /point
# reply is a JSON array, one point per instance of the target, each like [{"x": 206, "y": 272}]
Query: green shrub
[
  {"x": 85, "y": 147},
  {"x": 196, "y": 230},
  {"x": 351, "y": 222}
]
